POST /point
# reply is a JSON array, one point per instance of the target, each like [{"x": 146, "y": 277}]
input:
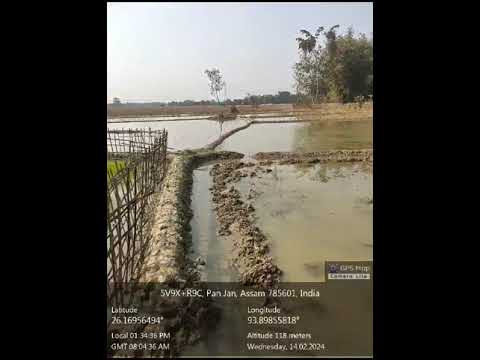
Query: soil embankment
[
  {"x": 167, "y": 263},
  {"x": 235, "y": 219},
  {"x": 365, "y": 155},
  {"x": 166, "y": 260}
]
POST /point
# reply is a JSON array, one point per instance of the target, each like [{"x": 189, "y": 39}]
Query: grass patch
[{"x": 111, "y": 167}]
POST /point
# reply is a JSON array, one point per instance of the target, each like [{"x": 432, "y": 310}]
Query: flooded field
[
  {"x": 184, "y": 134},
  {"x": 310, "y": 214},
  {"x": 344, "y": 135},
  {"x": 304, "y": 137},
  {"x": 314, "y": 214}
]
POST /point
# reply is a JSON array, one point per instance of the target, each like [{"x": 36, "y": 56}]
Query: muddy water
[
  {"x": 304, "y": 137},
  {"x": 321, "y": 136},
  {"x": 310, "y": 214},
  {"x": 262, "y": 137},
  {"x": 314, "y": 214},
  {"x": 215, "y": 250},
  {"x": 185, "y": 134},
  {"x": 205, "y": 243}
]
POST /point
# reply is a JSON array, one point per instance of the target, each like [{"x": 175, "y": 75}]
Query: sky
[{"x": 159, "y": 51}]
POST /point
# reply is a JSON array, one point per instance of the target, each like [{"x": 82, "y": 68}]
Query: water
[
  {"x": 314, "y": 214},
  {"x": 322, "y": 136},
  {"x": 310, "y": 214},
  {"x": 185, "y": 134},
  {"x": 302, "y": 137},
  {"x": 262, "y": 137},
  {"x": 215, "y": 250}
]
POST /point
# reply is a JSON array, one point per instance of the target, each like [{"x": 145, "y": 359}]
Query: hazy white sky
[{"x": 159, "y": 51}]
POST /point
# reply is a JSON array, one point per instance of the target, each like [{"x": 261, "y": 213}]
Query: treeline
[
  {"x": 339, "y": 69},
  {"x": 283, "y": 97}
]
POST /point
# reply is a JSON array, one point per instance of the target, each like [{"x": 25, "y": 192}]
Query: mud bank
[
  {"x": 266, "y": 158},
  {"x": 217, "y": 142},
  {"x": 235, "y": 218},
  {"x": 166, "y": 261}
]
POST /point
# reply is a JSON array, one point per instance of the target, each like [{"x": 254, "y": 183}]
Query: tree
[
  {"x": 308, "y": 70},
  {"x": 339, "y": 71},
  {"x": 216, "y": 83},
  {"x": 307, "y": 44},
  {"x": 355, "y": 76},
  {"x": 333, "y": 66}
]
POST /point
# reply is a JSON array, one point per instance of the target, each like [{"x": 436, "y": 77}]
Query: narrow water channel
[{"x": 214, "y": 250}]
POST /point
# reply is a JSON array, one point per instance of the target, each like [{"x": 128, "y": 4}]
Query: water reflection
[
  {"x": 302, "y": 137},
  {"x": 322, "y": 136}
]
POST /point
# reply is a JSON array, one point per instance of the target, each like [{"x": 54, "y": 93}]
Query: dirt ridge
[
  {"x": 235, "y": 220},
  {"x": 364, "y": 155}
]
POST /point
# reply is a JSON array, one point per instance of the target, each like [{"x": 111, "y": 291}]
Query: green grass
[{"x": 111, "y": 165}]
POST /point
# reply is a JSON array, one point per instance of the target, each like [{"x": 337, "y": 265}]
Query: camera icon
[{"x": 332, "y": 268}]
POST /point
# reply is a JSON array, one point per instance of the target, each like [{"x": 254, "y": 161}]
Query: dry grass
[
  {"x": 338, "y": 112},
  {"x": 329, "y": 110},
  {"x": 126, "y": 111}
]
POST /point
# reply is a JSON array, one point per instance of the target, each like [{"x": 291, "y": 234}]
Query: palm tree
[{"x": 307, "y": 45}]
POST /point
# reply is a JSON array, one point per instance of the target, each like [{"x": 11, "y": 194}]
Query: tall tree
[
  {"x": 339, "y": 71},
  {"x": 356, "y": 54},
  {"x": 309, "y": 69},
  {"x": 216, "y": 83}
]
